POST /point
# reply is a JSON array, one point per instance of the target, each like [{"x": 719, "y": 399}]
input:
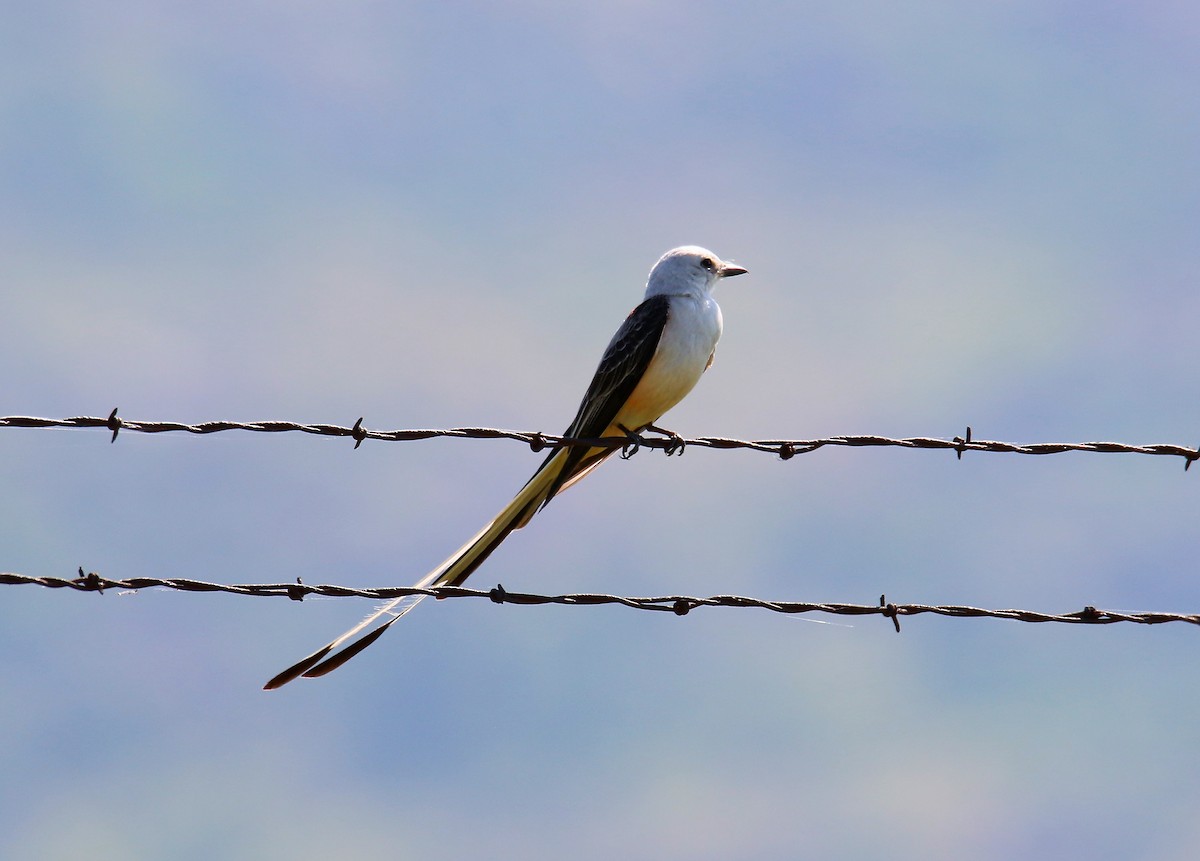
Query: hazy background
[{"x": 434, "y": 215}]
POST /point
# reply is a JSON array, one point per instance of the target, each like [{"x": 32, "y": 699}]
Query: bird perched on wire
[{"x": 656, "y": 357}]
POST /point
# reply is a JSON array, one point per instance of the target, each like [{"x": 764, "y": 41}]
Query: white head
[{"x": 688, "y": 269}]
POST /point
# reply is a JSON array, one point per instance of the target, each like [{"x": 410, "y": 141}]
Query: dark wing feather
[{"x": 619, "y": 372}]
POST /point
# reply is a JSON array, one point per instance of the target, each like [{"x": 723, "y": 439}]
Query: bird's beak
[{"x": 728, "y": 270}]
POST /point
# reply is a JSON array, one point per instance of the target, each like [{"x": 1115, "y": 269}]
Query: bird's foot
[
  {"x": 634, "y": 441},
  {"x": 675, "y": 444}
]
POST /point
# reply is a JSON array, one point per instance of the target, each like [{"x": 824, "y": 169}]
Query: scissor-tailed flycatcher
[{"x": 653, "y": 361}]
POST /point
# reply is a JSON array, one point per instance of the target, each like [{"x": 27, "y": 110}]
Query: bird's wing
[{"x": 620, "y": 370}]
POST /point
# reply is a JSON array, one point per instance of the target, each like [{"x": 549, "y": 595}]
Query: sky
[{"x": 436, "y": 215}]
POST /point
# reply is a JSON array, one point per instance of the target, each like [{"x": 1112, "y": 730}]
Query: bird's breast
[{"x": 687, "y": 342}]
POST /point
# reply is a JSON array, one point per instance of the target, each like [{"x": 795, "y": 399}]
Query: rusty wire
[
  {"x": 782, "y": 448},
  {"x": 680, "y": 605}
]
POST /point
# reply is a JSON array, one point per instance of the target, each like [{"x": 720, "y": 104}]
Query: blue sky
[{"x": 436, "y": 215}]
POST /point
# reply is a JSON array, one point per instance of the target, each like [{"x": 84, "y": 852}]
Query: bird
[{"x": 653, "y": 361}]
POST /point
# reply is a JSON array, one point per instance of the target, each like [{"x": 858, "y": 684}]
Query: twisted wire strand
[
  {"x": 783, "y": 448},
  {"x": 677, "y": 604},
  {"x": 680, "y": 605}
]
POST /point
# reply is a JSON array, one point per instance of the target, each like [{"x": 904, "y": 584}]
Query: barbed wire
[
  {"x": 679, "y": 605},
  {"x": 669, "y": 443}
]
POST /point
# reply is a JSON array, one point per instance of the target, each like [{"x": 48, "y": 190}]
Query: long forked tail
[{"x": 452, "y": 572}]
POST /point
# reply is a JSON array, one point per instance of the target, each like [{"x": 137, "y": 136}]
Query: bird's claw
[
  {"x": 676, "y": 443},
  {"x": 634, "y": 441}
]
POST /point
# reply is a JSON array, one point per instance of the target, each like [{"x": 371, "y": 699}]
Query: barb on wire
[
  {"x": 785, "y": 449},
  {"x": 679, "y": 605}
]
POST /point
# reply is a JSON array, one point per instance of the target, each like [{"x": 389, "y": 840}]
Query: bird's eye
[{"x": 708, "y": 264}]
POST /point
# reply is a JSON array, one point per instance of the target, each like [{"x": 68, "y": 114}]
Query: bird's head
[{"x": 689, "y": 268}]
